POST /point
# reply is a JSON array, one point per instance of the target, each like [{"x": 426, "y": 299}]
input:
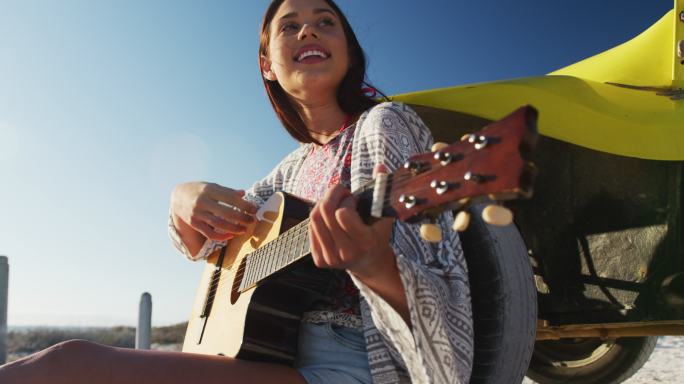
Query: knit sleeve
[{"x": 439, "y": 345}]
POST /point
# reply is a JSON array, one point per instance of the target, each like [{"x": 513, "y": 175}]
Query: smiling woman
[{"x": 397, "y": 308}]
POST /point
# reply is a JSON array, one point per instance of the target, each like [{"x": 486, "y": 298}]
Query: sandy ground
[{"x": 666, "y": 364}]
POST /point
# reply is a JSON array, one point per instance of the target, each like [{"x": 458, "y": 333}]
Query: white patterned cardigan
[{"x": 438, "y": 348}]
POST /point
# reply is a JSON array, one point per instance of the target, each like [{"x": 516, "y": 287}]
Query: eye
[
  {"x": 326, "y": 22},
  {"x": 289, "y": 27}
]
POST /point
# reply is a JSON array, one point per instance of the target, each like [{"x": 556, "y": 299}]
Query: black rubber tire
[
  {"x": 589, "y": 360},
  {"x": 504, "y": 301}
]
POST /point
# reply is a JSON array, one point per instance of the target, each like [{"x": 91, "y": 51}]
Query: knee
[
  {"x": 55, "y": 361},
  {"x": 75, "y": 348}
]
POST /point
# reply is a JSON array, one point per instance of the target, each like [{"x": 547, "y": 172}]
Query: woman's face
[{"x": 307, "y": 51}]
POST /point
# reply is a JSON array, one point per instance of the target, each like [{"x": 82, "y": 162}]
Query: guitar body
[{"x": 261, "y": 322}]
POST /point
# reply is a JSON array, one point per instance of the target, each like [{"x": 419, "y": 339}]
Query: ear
[{"x": 266, "y": 70}]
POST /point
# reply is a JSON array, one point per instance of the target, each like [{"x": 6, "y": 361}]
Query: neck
[{"x": 322, "y": 119}]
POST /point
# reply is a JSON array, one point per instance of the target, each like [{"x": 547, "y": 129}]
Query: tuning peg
[
  {"x": 439, "y": 146},
  {"x": 461, "y": 221},
  {"x": 430, "y": 232},
  {"x": 497, "y": 215}
]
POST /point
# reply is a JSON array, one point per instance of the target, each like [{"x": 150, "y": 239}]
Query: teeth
[{"x": 312, "y": 53}]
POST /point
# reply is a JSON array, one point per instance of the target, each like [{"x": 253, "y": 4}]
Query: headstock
[{"x": 491, "y": 164}]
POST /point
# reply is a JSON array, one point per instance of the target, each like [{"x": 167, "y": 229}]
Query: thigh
[
  {"x": 331, "y": 354},
  {"x": 78, "y": 362}
]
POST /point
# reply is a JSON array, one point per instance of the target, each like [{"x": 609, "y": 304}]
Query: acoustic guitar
[{"x": 254, "y": 291}]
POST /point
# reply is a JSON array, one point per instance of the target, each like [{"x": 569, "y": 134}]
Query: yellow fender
[{"x": 627, "y": 101}]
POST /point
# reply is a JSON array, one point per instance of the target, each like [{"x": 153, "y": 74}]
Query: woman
[{"x": 402, "y": 308}]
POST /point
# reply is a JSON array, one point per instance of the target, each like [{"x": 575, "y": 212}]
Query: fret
[
  {"x": 297, "y": 243},
  {"x": 271, "y": 255},
  {"x": 301, "y": 240},
  {"x": 289, "y": 256},
  {"x": 283, "y": 251},
  {"x": 292, "y": 255},
  {"x": 265, "y": 254},
  {"x": 254, "y": 270},
  {"x": 247, "y": 281},
  {"x": 258, "y": 257},
  {"x": 266, "y": 260},
  {"x": 305, "y": 240}
]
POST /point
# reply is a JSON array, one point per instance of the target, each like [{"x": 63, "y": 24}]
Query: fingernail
[
  {"x": 348, "y": 202},
  {"x": 379, "y": 168}
]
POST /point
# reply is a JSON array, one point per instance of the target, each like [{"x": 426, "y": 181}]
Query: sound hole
[{"x": 235, "y": 289}]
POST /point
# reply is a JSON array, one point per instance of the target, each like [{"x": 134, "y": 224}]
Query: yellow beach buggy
[{"x": 593, "y": 269}]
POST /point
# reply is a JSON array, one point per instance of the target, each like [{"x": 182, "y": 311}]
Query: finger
[
  {"x": 232, "y": 197},
  {"x": 315, "y": 242},
  {"x": 345, "y": 247},
  {"x": 322, "y": 235},
  {"x": 220, "y": 224},
  {"x": 328, "y": 206},
  {"x": 230, "y": 214},
  {"x": 316, "y": 253},
  {"x": 351, "y": 223},
  {"x": 379, "y": 168},
  {"x": 334, "y": 196},
  {"x": 209, "y": 232}
]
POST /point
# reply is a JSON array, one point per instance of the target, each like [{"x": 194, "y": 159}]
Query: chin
[{"x": 311, "y": 81}]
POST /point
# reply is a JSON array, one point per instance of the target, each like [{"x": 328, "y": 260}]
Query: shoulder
[
  {"x": 389, "y": 110},
  {"x": 394, "y": 119}
]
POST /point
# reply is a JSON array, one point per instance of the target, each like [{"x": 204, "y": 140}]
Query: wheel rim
[{"x": 573, "y": 353}]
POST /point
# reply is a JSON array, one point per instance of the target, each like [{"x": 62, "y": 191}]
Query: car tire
[
  {"x": 589, "y": 360},
  {"x": 504, "y": 300}
]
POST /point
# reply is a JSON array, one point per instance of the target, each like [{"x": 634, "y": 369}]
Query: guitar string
[
  {"x": 284, "y": 243},
  {"x": 293, "y": 235},
  {"x": 398, "y": 182}
]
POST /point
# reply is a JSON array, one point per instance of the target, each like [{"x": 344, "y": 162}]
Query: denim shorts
[{"x": 332, "y": 354}]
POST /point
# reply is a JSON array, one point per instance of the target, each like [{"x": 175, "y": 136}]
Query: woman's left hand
[{"x": 340, "y": 239}]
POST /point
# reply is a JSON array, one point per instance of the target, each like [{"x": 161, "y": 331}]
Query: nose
[{"x": 306, "y": 30}]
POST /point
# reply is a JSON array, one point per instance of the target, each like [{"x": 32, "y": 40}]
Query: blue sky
[{"x": 105, "y": 106}]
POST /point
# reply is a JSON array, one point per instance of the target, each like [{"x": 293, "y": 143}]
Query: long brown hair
[{"x": 350, "y": 96}]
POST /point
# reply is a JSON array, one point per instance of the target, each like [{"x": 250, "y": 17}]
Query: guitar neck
[
  {"x": 293, "y": 244},
  {"x": 286, "y": 249},
  {"x": 489, "y": 164}
]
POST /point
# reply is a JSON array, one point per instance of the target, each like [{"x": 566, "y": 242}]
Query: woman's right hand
[{"x": 218, "y": 213}]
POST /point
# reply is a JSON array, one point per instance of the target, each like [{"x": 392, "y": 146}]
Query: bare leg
[{"x": 83, "y": 362}]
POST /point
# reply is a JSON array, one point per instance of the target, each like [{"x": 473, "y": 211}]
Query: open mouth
[{"x": 311, "y": 54}]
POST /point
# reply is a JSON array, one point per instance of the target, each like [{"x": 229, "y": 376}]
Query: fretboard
[
  {"x": 293, "y": 244},
  {"x": 276, "y": 255}
]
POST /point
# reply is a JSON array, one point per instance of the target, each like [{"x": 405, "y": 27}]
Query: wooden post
[
  {"x": 4, "y": 287},
  {"x": 144, "y": 331}
]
